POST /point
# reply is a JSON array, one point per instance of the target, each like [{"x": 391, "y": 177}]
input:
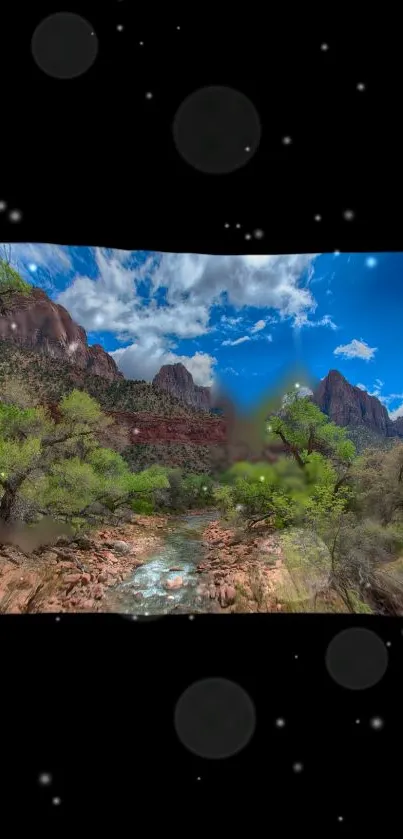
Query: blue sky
[{"x": 245, "y": 321}]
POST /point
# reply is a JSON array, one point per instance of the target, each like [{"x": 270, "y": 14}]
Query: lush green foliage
[
  {"x": 352, "y": 504},
  {"x": 303, "y": 428},
  {"x": 10, "y": 280},
  {"x": 59, "y": 466}
]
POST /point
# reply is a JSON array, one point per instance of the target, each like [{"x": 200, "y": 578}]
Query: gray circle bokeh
[
  {"x": 215, "y": 718},
  {"x": 64, "y": 45},
  {"x": 216, "y": 130},
  {"x": 357, "y": 659}
]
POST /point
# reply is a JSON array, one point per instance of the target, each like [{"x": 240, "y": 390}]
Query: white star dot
[
  {"x": 247, "y": 148},
  {"x": 248, "y": 236},
  {"x": 119, "y": 28},
  {"x": 286, "y": 141},
  {"x": 3, "y": 206},
  {"x": 258, "y": 234},
  {"x": 141, "y": 43},
  {"x": 237, "y": 226},
  {"x": 191, "y": 617},
  {"x": 360, "y": 86},
  {"x": 56, "y": 801},
  {"x": 226, "y": 225},
  {"x": 389, "y": 643},
  {"x": 324, "y": 47},
  {"x": 297, "y": 767},
  {"x": 178, "y": 27},
  {"x": 318, "y": 218},
  {"x": 357, "y": 722},
  {"x": 340, "y": 818},
  {"x": 348, "y": 215},
  {"x": 280, "y": 722},
  {"x": 45, "y": 779},
  {"x": 15, "y": 215},
  {"x": 296, "y": 656},
  {"x": 376, "y": 723},
  {"x": 57, "y": 619},
  {"x": 149, "y": 95}
]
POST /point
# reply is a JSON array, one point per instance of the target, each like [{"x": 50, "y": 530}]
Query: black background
[{"x": 92, "y": 161}]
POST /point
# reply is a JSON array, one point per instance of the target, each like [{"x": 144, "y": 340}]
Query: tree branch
[{"x": 291, "y": 449}]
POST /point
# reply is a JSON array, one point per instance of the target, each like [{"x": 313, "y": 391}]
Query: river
[{"x": 145, "y": 592}]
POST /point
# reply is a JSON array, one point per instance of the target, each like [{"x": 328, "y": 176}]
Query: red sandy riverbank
[{"x": 241, "y": 570}]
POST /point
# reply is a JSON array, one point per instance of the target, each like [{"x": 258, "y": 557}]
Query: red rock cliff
[
  {"x": 346, "y": 404},
  {"x": 177, "y": 380},
  {"x": 34, "y": 321}
]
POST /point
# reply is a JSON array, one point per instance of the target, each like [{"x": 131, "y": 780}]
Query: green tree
[
  {"x": 304, "y": 429},
  {"x": 72, "y": 486},
  {"x": 32, "y": 442}
]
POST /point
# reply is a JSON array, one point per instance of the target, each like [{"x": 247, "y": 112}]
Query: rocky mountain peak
[
  {"x": 177, "y": 380},
  {"x": 346, "y": 404},
  {"x": 35, "y": 322}
]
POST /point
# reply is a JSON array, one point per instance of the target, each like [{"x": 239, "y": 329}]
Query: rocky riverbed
[
  {"x": 242, "y": 571},
  {"x": 75, "y": 577},
  {"x": 158, "y": 565}
]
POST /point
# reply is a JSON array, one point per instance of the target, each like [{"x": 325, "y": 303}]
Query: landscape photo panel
[{"x": 192, "y": 433}]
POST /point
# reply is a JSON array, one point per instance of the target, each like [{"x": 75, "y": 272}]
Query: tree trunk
[
  {"x": 7, "y": 504},
  {"x": 292, "y": 450},
  {"x": 11, "y": 488}
]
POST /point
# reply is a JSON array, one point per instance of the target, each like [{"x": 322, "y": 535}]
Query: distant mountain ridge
[{"x": 33, "y": 323}]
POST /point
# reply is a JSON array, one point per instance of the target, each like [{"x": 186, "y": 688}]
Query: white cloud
[
  {"x": 52, "y": 258},
  {"x": 356, "y": 349},
  {"x": 361, "y": 386},
  {"x": 182, "y": 290},
  {"x": 263, "y": 281},
  {"x": 258, "y": 326},
  {"x": 235, "y": 343},
  {"x": 229, "y": 322},
  {"x": 231, "y": 371},
  {"x": 142, "y": 361},
  {"x": 269, "y": 338},
  {"x": 302, "y": 321},
  {"x": 398, "y": 412}
]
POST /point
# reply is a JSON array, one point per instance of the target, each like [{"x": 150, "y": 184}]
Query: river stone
[
  {"x": 121, "y": 547},
  {"x": 177, "y": 582}
]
